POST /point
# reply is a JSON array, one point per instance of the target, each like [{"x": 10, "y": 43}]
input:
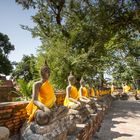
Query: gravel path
[{"x": 122, "y": 122}]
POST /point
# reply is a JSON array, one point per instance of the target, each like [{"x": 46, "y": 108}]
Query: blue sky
[{"x": 12, "y": 15}]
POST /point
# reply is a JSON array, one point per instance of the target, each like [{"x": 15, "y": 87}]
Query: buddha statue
[
  {"x": 42, "y": 108},
  {"x": 72, "y": 96}
]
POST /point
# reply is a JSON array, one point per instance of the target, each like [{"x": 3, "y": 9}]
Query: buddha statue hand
[
  {"x": 87, "y": 101},
  {"x": 41, "y": 117},
  {"x": 78, "y": 103}
]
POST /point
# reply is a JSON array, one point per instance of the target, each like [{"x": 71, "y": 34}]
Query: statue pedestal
[
  {"x": 80, "y": 124},
  {"x": 56, "y": 130}
]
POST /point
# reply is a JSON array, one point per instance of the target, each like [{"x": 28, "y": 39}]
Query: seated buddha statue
[
  {"x": 72, "y": 96},
  {"x": 91, "y": 91},
  {"x": 126, "y": 88},
  {"x": 43, "y": 99},
  {"x": 83, "y": 92}
]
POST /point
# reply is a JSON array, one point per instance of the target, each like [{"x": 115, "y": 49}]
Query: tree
[
  {"x": 89, "y": 34},
  {"x": 124, "y": 59},
  {"x": 5, "y": 48},
  {"x": 26, "y": 69},
  {"x": 25, "y": 88}
]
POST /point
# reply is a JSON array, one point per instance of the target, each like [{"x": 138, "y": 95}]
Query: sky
[{"x": 12, "y": 16}]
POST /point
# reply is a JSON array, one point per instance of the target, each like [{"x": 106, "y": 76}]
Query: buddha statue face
[
  {"x": 90, "y": 85},
  {"x": 72, "y": 80},
  {"x": 82, "y": 82},
  {"x": 45, "y": 72}
]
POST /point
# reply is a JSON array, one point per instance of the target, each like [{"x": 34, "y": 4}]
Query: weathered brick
[
  {"x": 9, "y": 107},
  {"x": 9, "y": 122},
  {"x": 22, "y": 110},
  {"x": 8, "y": 110},
  {"x": 2, "y": 120},
  {"x": 17, "y": 120},
  {"x": 6, "y": 115},
  {"x": 10, "y": 126},
  {"x": 23, "y": 116},
  {"x": 16, "y": 123},
  {"x": 17, "y": 113},
  {"x": 16, "y": 117},
  {"x": 2, "y": 111}
]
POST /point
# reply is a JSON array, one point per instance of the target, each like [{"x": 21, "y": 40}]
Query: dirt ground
[{"x": 122, "y": 122}]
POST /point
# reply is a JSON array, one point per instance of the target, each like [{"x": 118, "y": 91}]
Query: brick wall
[
  {"x": 60, "y": 96},
  {"x": 13, "y": 115}
]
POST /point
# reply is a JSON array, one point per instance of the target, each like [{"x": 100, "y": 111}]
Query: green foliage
[
  {"x": 1, "y": 82},
  {"x": 58, "y": 60},
  {"x": 87, "y": 37},
  {"x": 26, "y": 69},
  {"x": 5, "y": 48},
  {"x": 25, "y": 88},
  {"x": 125, "y": 57}
]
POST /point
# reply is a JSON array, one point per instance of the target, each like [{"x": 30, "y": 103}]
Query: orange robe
[
  {"x": 92, "y": 92},
  {"x": 138, "y": 91},
  {"x": 112, "y": 88},
  {"x": 46, "y": 96},
  {"x": 73, "y": 94},
  {"x": 126, "y": 88},
  {"x": 97, "y": 93},
  {"x": 84, "y": 92}
]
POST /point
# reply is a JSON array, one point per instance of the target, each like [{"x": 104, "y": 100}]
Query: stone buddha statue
[
  {"x": 83, "y": 92},
  {"x": 41, "y": 108},
  {"x": 72, "y": 96}
]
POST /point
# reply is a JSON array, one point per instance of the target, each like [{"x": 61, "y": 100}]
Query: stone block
[{"x": 4, "y": 133}]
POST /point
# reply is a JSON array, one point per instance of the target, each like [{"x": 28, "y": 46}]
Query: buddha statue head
[
  {"x": 45, "y": 72},
  {"x": 71, "y": 79},
  {"x": 82, "y": 82}
]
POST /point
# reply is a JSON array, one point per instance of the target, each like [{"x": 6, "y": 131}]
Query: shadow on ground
[{"x": 117, "y": 118}]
